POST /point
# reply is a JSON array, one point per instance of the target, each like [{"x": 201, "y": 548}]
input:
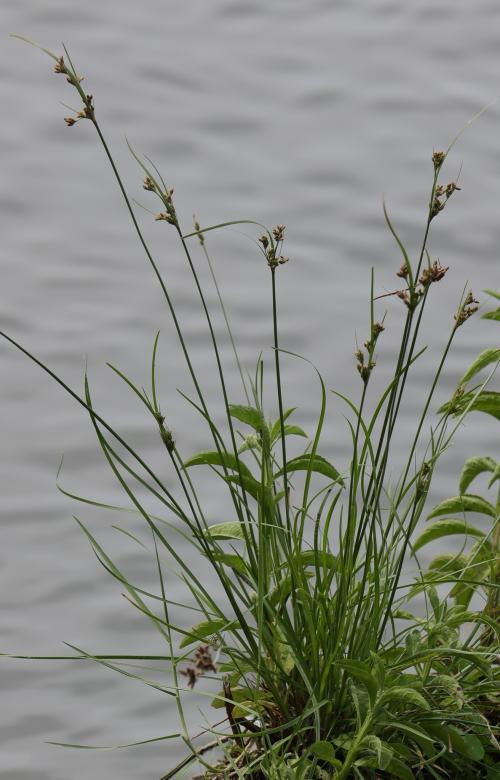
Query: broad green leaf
[
  {"x": 247, "y": 709},
  {"x": 276, "y": 429},
  {"x": 401, "y": 770},
  {"x": 205, "y": 630},
  {"x": 484, "y": 359},
  {"x": 445, "y": 527},
  {"x": 404, "y": 695},
  {"x": 252, "y": 442},
  {"x": 252, "y": 487},
  {"x": 444, "y": 683},
  {"x": 325, "y": 752},
  {"x": 492, "y": 315},
  {"x": 488, "y": 401},
  {"x": 496, "y": 475},
  {"x": 472, "y": 468},
  {"x": 467, "y": 745},
  {"x": 290, "y": 430},
  {"x": 242, "y": 695},
  {"x": 361, "y": 672},
  {"x": 415, "y": 732},
  {"x": 226, "y": 459},
  {"x": 248, "y": 415},
  {"x": 235, "y": 562},
  {"x": 318, "y": 464},
  {"x": 232, "y": 530},
  {"x": 493, "y": 293},
  {"x": 462, "y": 592},
  {"x": 279, "y": 595},
  {"x": 311, "y": 558},
  {"x": 465, "y": 503},
  {"x": 381, "y": 749},
  {"x": 449, "y": 563},
  {"x": 295, "y": 430}
]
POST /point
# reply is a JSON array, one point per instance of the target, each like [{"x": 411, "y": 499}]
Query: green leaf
[
  {"x": 493, "y": 293},
  {"x": 399, "y": 769},
  {"x": 317, "y": 464},
  {"x": 206, "y": 629},
  {"x": 242, "y": 695},
  {"x": 290, "y": 430},
  {"x": 445, "y": 527},
  {"x": 378, "y": 670},
  {"x": 234, "y": 562},
  {"x": 449, "y": 563},
  {"x": 279, "y": 595},
  {"x": 383, "y": 752},
  {"x": 113, "y": 747},
  {"x": 225, "y": 459},
  {"x": 488, "y": 402},
  {"x": 252, "y": 487},
  {"x": 248, "y": 415},
  {"x": 484, "y": 359},
  {"x": 472, "y": 468},
  {"x": 232, "y": 530},
  {"x": 361, "y": 671},
  {"x": 313, "y": 557},
  {"x": 465, "y": 503},
  {"x": 247, "y": 709},
  {"x": 294, "y": 430},
  {"x": 415, "y": 732},
  {"x": 467, "y": 745},
  {"x": 325, "y": 752},
  {"x": 276, "y": 429},
  {"x": 492, "y": 315},
  {"x": 404, "y": 695}
]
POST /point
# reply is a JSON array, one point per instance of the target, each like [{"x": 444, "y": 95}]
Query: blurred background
[{"x": 305, "y": 114}]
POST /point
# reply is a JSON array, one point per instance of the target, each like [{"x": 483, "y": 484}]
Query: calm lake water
[{"x": 291, "y": 112}]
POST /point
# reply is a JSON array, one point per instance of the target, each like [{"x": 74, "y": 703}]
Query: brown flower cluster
[
  {"x": 365, "y": 368},
  {"x": 87, "y": 111},
  {"x": 203, "y": 662},
  {"x": 434, "y": 273},
  {"x": 272, "y": 249},
  {"x": 169, "y": 214},
  {"x": 442, "y": 193},
  {"x": 469, "y": 307}
]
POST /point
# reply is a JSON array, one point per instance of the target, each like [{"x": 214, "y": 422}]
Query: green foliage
[{"x": 298, "y": 597}]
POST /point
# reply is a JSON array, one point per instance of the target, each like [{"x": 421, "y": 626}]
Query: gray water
[{"x": 292, "y": 112}]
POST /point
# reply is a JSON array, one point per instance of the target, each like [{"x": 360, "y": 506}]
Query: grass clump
[{"x": 325, "y": 665}]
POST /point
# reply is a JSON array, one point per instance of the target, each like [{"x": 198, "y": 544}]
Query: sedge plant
[{"x": 323, "y": 668}]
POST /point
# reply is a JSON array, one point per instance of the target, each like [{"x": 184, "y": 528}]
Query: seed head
[
  {"x": 470, "y": 306},
  {"x": 438, "y": 159},
  {"x": 70, "y": 121},
  {"x": 450, "y": 189},
  {"x": 198, "y": 230},
  {"x": 60, "y": 66},
  {"x": 433, "y": 274},
  {"x": 192, "y": 675},
  {"x": 167, "y": 438},
  {"x": 148, "y": 184},
  {"x": 365, "y": 369},
  {"x": 203, "y": 659},
  {"x": 279, "y": 232},
  {"x": 264, "y": 240},
  {"x": 165, "y": 217}
]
